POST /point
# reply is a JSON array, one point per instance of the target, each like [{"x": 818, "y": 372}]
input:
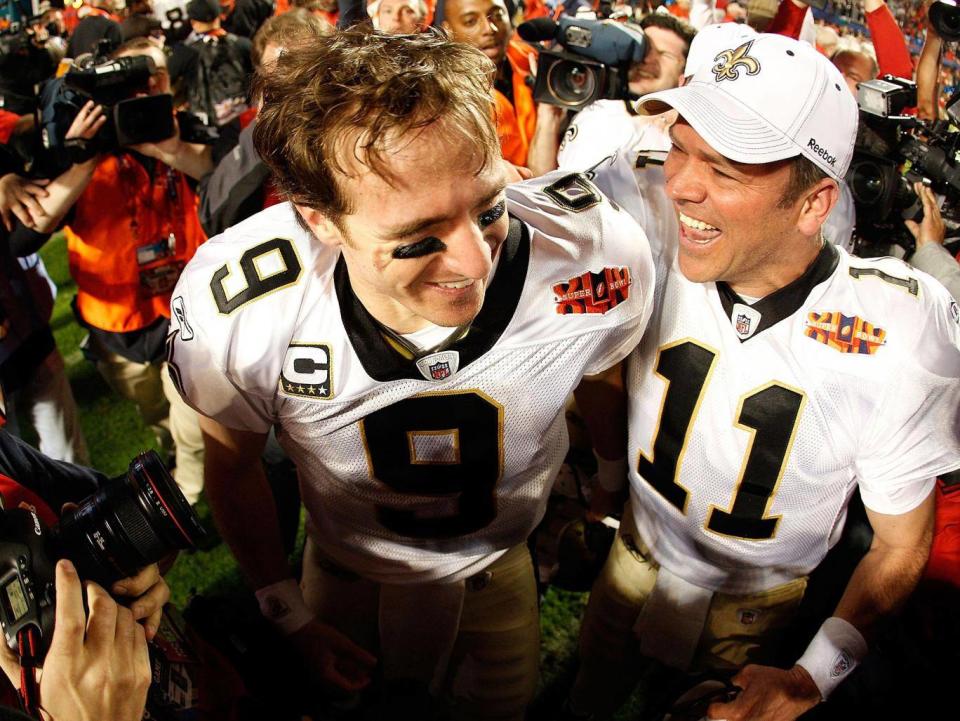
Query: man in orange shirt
[
  {"x": 486, "y": 25},
  {"x": 132, "y": 228}
]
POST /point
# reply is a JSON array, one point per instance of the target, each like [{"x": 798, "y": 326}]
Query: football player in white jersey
[
  {"x": 412, "y": 328},
  {"x": 777, "y": 375}
]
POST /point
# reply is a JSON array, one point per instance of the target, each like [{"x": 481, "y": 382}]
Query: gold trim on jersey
[
  {"x": 459, "y": 392},
  {"x": 454, "y": 433},
  {"x": 693, "y": 414},
  {"x": 746, "y": 459}
]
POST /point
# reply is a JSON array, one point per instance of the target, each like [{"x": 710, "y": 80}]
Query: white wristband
[
  {"x": 834, "y": 652},
  {"x": 282, "y": 604},
  {"x": 611, "y": 475}
]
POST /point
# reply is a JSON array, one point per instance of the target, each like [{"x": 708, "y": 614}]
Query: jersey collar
[
  {"x": 384, "y": 360},
  {"x": 771, "y": 309}
]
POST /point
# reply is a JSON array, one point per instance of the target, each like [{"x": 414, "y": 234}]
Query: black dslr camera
[
  {"x": 894, "y": 150},
  {"x": 131, "y": 522},
  {"x": 119, "y": 85},
  {"x": 595, "y": 66}
]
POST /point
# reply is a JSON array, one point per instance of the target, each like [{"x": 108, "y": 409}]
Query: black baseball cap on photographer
[{"x": 203, "y": 11}]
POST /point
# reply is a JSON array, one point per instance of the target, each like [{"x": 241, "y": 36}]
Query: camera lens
[
  {"x": 131, "y": 522},
  {"x": 945, "y": 18},
  {"x": 867, "y": 183},
  {"x": 572, "y": 83}
]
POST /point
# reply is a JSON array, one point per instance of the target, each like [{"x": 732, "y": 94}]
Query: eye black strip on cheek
[
  {"x": 419, "y": 249},
  {"x": 383, "y": 363},
  {"x": 489, "y": 217}
]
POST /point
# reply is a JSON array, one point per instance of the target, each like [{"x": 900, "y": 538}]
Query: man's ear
[
  {"x": 324, "y": 229},
  {"x": 817, "y": 204}
]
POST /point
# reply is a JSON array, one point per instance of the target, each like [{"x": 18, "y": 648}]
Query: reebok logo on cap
[{"x": 822, "y": 152}]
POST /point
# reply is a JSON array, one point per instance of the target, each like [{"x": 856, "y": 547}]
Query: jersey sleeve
[
  {"x": 198, "y": 348},
  {"x": 593, "y": 270},
  {"x": 594, "y": 133},
  {"x": 625, "y": 242},
  {"x": 915, "y": 435}
]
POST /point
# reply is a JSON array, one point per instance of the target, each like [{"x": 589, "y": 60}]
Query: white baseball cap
[{"x": 768, "y": 98}]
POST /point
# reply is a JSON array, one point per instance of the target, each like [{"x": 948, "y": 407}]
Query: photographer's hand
[
  {"x": 931, "y": 229},
  {"x": 189, "y": 158},
  {"x": 98, "y": 666},
  {"x": 333, "y": 657},
  {"x": 87, "y": 123},
  {"x": 151, "y": 593},
  {"x": 18, "y": 196}
]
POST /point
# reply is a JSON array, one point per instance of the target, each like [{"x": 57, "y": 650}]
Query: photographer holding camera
[
  {"x": 101, "y": 674},
  {"x": 132, "y": 227},
  {"x": 97, "y": 665},
  {"x": 930, "y": 256}
]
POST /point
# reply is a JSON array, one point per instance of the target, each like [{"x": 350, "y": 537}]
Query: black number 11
[{"x": 770, "y": 412}]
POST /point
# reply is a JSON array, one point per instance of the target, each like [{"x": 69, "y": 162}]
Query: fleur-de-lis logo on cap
[{"x": 729, "y": 62}]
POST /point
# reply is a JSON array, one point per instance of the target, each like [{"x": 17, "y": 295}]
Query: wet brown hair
[{"x": 355, "y": 96}]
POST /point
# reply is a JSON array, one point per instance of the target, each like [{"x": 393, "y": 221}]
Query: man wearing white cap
[{"x": 778, "y": 374}]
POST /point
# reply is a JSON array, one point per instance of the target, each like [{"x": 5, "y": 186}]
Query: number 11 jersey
[{"x": 751, "y": 425}]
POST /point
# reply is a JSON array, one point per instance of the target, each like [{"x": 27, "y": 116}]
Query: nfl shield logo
[
  {"x": 439, "y": 366},
  {"x": 841, "y": 664},
  {"x": 439, "y": 371},
  {"x": 743, "y": 324}
]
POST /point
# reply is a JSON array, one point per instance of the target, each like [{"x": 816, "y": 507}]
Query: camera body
[
  {"x": 893, "y": 151},
  {"x": 129, "y": 523},
  {"x": 27, "y": 595},
  {"x": 116, "y": 85},
  {"x": 594, "y": 64}
]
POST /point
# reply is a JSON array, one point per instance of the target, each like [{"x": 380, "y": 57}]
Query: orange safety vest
[
  {"x": 128, "y": 242},
  {"x": 516, "y": 121},
  {"x": 512, "y": 145}
]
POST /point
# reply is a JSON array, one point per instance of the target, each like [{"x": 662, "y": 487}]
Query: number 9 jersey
[
  {"x": 752, "y": 424},
  {"x": 414, "y": 469}
]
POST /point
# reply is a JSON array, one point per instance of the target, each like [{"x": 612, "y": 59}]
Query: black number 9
[
  {"x": 445, "y": 446},
  {"x": 257, "y": 285}
]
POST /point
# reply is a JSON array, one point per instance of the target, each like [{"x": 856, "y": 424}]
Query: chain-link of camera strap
[{"x": 27, "y": 641}]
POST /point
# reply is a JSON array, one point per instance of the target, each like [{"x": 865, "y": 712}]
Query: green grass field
[{"x": 115, "y": 434}]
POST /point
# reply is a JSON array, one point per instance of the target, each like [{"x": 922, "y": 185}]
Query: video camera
[
  {"x": 24, "y": 61},
  {"x": 129, "y": 523},
  {"x": 114, "y": 84},
  {"x": 945, "y": 17},
  {"x": 595, "y": 65},
  {"x": 892, "y": 152}
]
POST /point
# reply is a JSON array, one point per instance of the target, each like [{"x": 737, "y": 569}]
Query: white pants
[{"x": 48, "y": 402}]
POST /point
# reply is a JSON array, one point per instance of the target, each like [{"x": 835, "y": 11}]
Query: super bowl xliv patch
[
  {"x": 844, "y": 333},
  {"x": 439, "y": 366},
  {"x": 180, "y": 314},
  {"x": 308, "y": 371},
  {"x": 593, "y": 292},
  {"x": 745, "y": 320},
  {"x": 955, "y": 312}
]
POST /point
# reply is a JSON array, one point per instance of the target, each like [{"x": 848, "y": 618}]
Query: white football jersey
[
  {"x": 414, "y": 470},
  {"x": 750, "y": 426},
  {"x": 605, "y": 127}
]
